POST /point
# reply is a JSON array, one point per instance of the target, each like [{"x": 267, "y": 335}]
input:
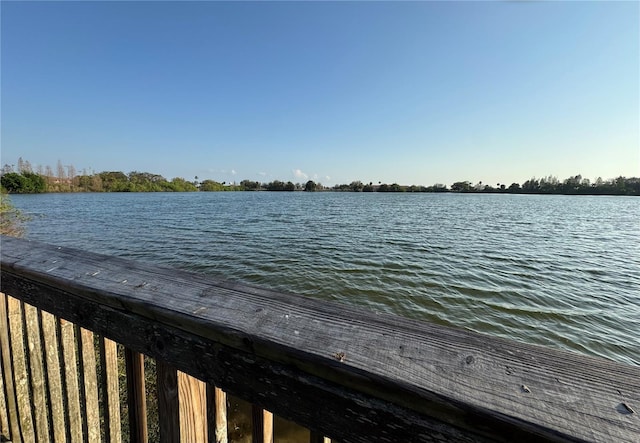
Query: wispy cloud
[{"x": 299, "y": 174}]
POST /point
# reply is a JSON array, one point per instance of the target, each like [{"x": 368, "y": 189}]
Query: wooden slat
[
  {"x": 111, "y": 389},
  {"x": 193, "y": 408},
  {"x": 168, "y": 409},
  {"x": 38, "y": 379},
  {"x": 89, "y": 383},
  {"x": 53, "y": 354},
  {"x": 7, "y": 372},
  {"x": 136, "y": 396},
  {"x": 314, "y": 437},
  {"x": 262, "y": 425},
  {"x": 4, "y": 417},
  {"x": 376, "y": 376},
  {"x": 20, "y": 374},
  {"x": 217, "y": 415},
  {"x": 67, "y": 337}
]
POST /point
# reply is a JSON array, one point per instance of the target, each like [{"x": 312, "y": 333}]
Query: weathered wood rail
[{"x": 342, "y": 372}]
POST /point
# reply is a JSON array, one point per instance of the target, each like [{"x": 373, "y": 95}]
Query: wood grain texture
[
  {"x": 217, "y": 415},
  {"x": 111, "y": 390},
  {"x": 136, "y": 397},
  {"x": 192, "y": 395},
  {"x": 20, "y": 370},
  {"x": 67, "y": 337},
  {"x": 7, "y": 372},
  {"x": 37, "y": 376},
  {"x": 89, "y": 385},
  {"x": 53, "y": 354},
  {"x": 4, "y": 417},
  {"x": 168, "y": 409},
  {"x": 382, "y": 376}
]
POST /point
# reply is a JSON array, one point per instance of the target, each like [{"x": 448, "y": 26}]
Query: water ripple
[{"x": 551, "y": 270}]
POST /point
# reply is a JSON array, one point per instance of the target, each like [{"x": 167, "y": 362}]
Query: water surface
[{"x": 561, "y": 271}]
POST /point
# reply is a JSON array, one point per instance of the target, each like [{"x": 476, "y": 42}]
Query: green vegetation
[
  {"x": 11, "y": 219},
  {"x": 26, "y": 181},
  {"x": 575, "y": 185}
]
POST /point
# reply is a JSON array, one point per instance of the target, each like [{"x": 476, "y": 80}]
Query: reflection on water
[{"x": 561, "y": 271}]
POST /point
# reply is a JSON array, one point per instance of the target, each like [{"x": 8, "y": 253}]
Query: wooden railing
[{"x": 341, "y": 372}]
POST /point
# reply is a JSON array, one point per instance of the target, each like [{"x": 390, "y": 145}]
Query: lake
[{"x": 559, "y": 271}]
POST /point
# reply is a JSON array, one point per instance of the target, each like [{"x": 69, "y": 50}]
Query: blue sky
[{"x": 413, "y": 93}]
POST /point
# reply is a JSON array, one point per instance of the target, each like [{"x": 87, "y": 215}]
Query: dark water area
[{"x": 559, "y": 271}]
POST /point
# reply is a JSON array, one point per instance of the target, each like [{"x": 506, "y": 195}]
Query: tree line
[
  {"x": 575, "y": 185},
  {"x": 29, "y": 180}
]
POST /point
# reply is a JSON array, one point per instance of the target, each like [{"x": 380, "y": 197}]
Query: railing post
[{"x": 136, "y": 397}]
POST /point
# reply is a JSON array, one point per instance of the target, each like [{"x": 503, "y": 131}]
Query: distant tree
[
  {"x": 531, "y": 186},
  {"x": 356, "y": 186},
  {"x": 25, "y": 183},
  {"x": 275, "y": 185},
  {"x": 71, "y": 172},
  {"x": 211, "y": 186},
  {"x": 179, "y": 184},
  {"x": 310, "y": 186},
  {"x": 289, "y": 186},
  {"x": 514, "y": 188},
  {"x": 61, "y": 174},
  {"x": 464, "y": 186},
  {"x": 248, "y": 185},
  {"x": 13, "y": 182},
  {"x": 115, "y": 181},
  {"x": 24, "y": 166}
]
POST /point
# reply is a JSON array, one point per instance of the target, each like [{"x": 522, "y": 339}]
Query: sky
[{"x": 405, "y": 92}]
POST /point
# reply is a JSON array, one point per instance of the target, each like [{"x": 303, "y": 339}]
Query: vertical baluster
[
  {"x": 217, "y": 415},
  {"x": 136, "y": 397},
  {"x": 53, "y": 354},
  {"x": 89, "y": 384},
  {"x": 7, "y": 371},
  {"x": 4, "y": 418},
  {"x": 36, "y": 368},
  {"x": 262, "y": 425},
  {"x": 193, "y": 413},
  {"x": 66, "y": 334},
  {"x": 21, "y": 376},
  {"x": 111, "y": 389},
  {"x": 168, "y": 407}
]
